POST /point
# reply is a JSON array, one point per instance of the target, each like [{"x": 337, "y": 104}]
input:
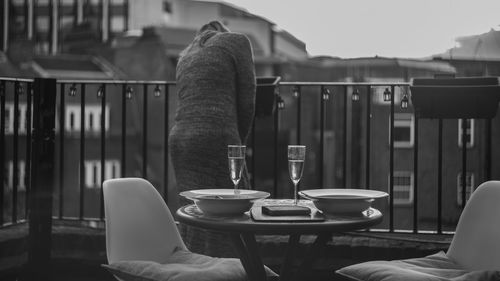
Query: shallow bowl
[
  {"x": 224, "y": 202},
  {"x": 341, "y": 200}
]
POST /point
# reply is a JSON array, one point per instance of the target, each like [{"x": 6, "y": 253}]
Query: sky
[{"x": 388, "y": 28}]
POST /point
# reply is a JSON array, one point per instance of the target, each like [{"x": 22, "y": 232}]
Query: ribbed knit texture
[{"x": 216, "y": 90}]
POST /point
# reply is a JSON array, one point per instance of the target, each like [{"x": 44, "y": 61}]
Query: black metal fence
[{"x": 107, "y": 129}]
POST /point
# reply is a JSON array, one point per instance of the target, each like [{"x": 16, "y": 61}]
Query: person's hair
[{"x": 214, "y": 26}]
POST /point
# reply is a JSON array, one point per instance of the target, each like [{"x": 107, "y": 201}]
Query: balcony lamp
[
  {"x": 404, "y": 101},
  {"x": 326, "y": 94},
  {"x": 157, "y": 91},
  {"x": 281, "y": 102},
  {"x": 19, "y": 89},
  {"x": 355, "y": 95},
  {"x": 72, "y": 90},
  {"x": 295, "y": 92},
  {"x": 129, "y": 92},
  {"x": 387, "y": 95},
  {"x": 100, "y": 92}
]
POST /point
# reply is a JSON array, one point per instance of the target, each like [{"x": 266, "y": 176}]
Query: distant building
[
  {"x": 182, "y": 18},
  {"x": 480, "y": 47},
  {"x": 48, "y": 23},
  {"x": 475, "y": 55}
]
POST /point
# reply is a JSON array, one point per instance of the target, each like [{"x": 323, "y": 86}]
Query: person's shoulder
[
  {"x": 232, "y": 39},
  {"x": 233, "y": 35}
]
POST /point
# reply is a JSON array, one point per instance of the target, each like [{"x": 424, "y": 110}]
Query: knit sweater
[{"x": 216, "y": 91}]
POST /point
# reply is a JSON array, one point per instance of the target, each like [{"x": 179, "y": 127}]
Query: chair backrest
[
  {"x": 139, "y": 225},
  {"x": 476, "y": 244}
]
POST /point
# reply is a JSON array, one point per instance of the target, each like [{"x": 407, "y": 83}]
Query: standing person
[{"x": 216, "y": 90}]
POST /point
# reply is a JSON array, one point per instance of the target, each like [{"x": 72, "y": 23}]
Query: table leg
[
  {"x": 253, "y": 251},
  {"x": 248, "y": 250},
  {"x": 313, "y": 252},
  {"x": 286, "y": 267}
]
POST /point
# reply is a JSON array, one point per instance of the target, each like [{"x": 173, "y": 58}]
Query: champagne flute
[
  {"x": 236, "y": 160},
  {"x": 296, "y": 158}
]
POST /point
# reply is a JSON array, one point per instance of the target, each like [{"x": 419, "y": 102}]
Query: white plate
[
  {"x": 342, "y": 200},
  {"x": 224, "y": 201}
]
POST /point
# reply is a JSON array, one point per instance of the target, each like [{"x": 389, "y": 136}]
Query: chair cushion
[
  {"x": 182, "y": 265},
  {"x": 437, "y": 267}
]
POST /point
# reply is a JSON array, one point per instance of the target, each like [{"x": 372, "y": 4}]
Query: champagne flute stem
[{"x": 295, "y": 200}]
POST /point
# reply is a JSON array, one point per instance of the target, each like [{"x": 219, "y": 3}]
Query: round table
[{"x": 243, "y": 229}]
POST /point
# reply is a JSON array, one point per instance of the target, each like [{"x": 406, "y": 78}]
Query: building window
[
  {"x": 93, "y": 172},
  {"x": 92, "y": 119},
  {"x": 67, "y": 3},
  {"x": 469, "y": 129},
  {"x": 167, "y": 7},
  {"x": 72, "y": 118},
  {"x": 404, "y": 124},
  {"x": 117, "y": 24},
  {"x": 22, "y": 118},
  {"x": 118, "y": 15},
  {"x": 42, "y": 24},
  {"x": 403, "y": 188},
  {"x": 167, "y": 11},
  {"x": 9, "y": 118},
  {"x": 21, "y": 174},
  {"x": 469, "y": 182}
]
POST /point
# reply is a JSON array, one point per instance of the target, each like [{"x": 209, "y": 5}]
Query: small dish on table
[
  {"x": 224, "y": 202},
  {"x": 342, "y": 201}
]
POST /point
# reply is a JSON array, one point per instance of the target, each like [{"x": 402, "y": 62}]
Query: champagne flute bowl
[
  {"x": 296, "y": 159},
  {"x": 236, "y": 163}
]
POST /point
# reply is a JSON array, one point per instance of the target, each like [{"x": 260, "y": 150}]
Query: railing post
[
  {"x": 368, "y": 134},
  {"x": 464, "y": 159},
  {"x": 276, "y": 143},
  {"x": 440, "y": 177},
  {"x": 415, "y": 176},
  {"x": 2, "y": 147},
  {"x": 391, "y": 164},
  {"x": 323, "y": 96},
  {"x": 487, "y": 160},
  {"x": 165, "y": 145},
  {"x": 43, "y": 179}
]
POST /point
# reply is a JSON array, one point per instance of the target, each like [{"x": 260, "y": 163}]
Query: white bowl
[
  {"x": 336, "y": 201},
  {"x": 224, "y": 202}
]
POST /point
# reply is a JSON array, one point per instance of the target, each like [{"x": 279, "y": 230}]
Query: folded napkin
[{"x": 182, "y": 265}]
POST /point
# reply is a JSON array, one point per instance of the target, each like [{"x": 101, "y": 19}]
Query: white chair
[
  {"x": 476, "y": 243},
  {"x": 139, "y": 225},
  {"x": 474, "y": 253},
  {"x": 143, "y": 242}
]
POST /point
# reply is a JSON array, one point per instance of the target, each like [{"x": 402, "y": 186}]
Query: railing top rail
[
  {"x": 152, "y": 82},
  {"x": 345, "y": 83},
  {"x": 163, "y": 82},
  {"x": 97, "y": 81},
  {"x": 10, "y": 79},
  {"x": 457, "y": 86}
]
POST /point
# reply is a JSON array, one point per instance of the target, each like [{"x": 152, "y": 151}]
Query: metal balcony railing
[{"x": 108, "y": 129}]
